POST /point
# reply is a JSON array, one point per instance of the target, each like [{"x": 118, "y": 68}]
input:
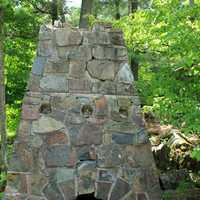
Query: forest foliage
[
  {"x": 163, "y": 37},
  {"x": 166, "y": 41}
]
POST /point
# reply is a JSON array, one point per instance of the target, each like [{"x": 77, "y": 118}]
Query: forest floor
[{"x": 179, "y": 171}]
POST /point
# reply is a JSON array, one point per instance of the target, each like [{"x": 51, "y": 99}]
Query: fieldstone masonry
[{"x": 81, "y": 131}]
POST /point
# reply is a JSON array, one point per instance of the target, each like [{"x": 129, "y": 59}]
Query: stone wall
[{"x": 81, "y": 131}]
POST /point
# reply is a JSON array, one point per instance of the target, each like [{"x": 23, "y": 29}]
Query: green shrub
[
  {"x": 2, "y": 183},
  {"x": 196, "y": 153},
  {"x": 13, "y": 117}
]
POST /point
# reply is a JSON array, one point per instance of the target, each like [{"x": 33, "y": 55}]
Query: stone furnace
[{"x": 81, "y": 131}]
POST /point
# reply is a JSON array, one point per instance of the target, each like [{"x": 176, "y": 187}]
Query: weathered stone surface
[
  {"x": 22, "y": 159},
  {"x": 74, "y": 131},
  {"x": 142, "y": 179},
  {"x": 62, "y": 101},
  {"x": 66, "y": 37},
  {"x": 46, "y": 124},
  {"x": 130, "y": 196},
  {"x": 36, "y": 183},
  {"x": 125, "y": 75},
  {"x": 38, "y": 65},
  {"x": 96, "y": 38},
  {"x": 45, "y": 48},
  {"x": 83, "y": 53},
  {"x": 32, "y": 99},
  {"x": 83, "y": 153},
  {"x": 157, "y": 195},
  {"x": 107, "y": 175},
  {"x": 125, "y": 139},
  {"x": 102, "y": 70},
  {"x": 81, "y": 130},
  {"x": 142, "y": 136},
  {"x": 110, "y": 53},
  {"x": 121, "y": 188},
  {"x": 137, "y": 177},
  {"x": 86, "y": 152},
  {"x": 35, "y": 141},
  {"x": 34, "y": 83},
  {"x": 104, "y": 87},
  {"x": 102, "y": 190},
  {"x": 109, "y": 155},
  {"x": 65, "y": 179},
  {"x": 101, "y": 106},
  {"x": 121, "y": 114},
  {"x": 86, "y": 177},
  {"x": 107, "y": 138},
  {"x": 80, "y": 86},
  {"x": 74, "y": 118},
  {"x": 68, "y": 190},
  {"x": 58, "y": 66},
  {"x": 33, "y": 197},
  {"x": 139, "y": 156},
  {"x": 59, "y": 156},
  {"x": 63, "y": 51},
  {"x": 45, "y": 33},
  {"x": 15, "y": 196},
  {"x": 125, "y": 89},
  {"x": 128, "y": 138},
  {"x": 57, "y": 137},
  {"x": 24, "y": 129},
  {"x": 90, "y": 134},
  {"x": 17, "y": 183},
  {"x": 142, "y": 196},
  {"x": 121, "y": 109},
  {"x": 125, "y": 101},
  {"x": 92, "y": 152},
  {"x": 77, "y": 69},
  {"x": 58, "y": 114},
  {"x": 64, "y": 175},
  {"x": 121, "y": 127},
  {"x": 30, "y": 112},
  {"x": 54, "y": 83},
  {"x": 52, "y": 192}
]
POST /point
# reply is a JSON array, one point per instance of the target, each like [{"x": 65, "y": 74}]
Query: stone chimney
[{"x": 81, "y": 131}]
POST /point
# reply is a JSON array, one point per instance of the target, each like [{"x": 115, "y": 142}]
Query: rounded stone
[{"x": 46, "y": 124}]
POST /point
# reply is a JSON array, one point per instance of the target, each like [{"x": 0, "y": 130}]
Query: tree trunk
[
  {"x": 54, "y": 11},
  {"x": 191, "y": 2},
  {"x": 117, "y": 10},
  {"x": 61, "y": 13},
  {"x": 2, "y": 95},
  {"x": 133, "y": 6},
  {"x": 135, "y": 68},
  {"x": 86, "y": 9}
]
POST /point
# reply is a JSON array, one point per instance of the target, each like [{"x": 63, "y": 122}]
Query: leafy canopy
[{"x": 166, "y": 41}]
